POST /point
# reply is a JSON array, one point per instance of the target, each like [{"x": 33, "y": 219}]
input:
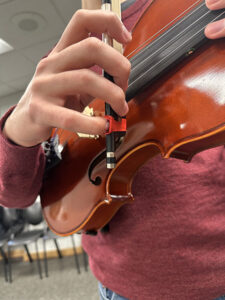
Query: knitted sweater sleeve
[{"x": 21, "y": 171}]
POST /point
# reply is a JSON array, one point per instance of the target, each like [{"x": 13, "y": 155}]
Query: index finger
[{"x": 85, "y": 22}]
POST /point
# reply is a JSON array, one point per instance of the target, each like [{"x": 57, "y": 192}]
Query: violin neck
[{"x": 173, "y": 46}]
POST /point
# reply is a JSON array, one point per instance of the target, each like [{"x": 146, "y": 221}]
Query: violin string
[
  {"x": 173, "y": 39},
  {"x": 146, "y": 41},
  {"x": 173, "y": 51}
]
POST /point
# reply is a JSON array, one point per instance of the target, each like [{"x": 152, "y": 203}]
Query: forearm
[{"x": 21, "y": 172}]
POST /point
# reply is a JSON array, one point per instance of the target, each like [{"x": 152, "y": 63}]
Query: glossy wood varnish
[{"x": 181, "y": 114}]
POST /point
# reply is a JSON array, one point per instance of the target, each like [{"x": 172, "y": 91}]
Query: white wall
[{"x": 8, "y": 101}]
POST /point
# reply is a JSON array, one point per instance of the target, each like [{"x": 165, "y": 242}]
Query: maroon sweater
[{"x": 170, "y": 243}]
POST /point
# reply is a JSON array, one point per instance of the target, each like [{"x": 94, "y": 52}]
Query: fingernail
[
  {"x": 215, "y": 27},
  {"x": 126, "y": 108},
  {"x": 125, "y": 86},
  {"x": 126, "y": 34},
  {"x": 107, "y": 126}
]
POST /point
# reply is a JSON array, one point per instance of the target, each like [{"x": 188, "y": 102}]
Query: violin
[{"x": 176, "y": 98}]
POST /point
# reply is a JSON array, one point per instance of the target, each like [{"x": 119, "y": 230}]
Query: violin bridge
[{"x": 89, "y": 112}]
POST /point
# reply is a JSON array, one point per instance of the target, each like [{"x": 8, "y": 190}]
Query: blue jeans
[{"x": 106, "y": 294}]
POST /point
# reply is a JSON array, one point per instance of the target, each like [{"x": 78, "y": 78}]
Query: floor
[{"x": 63, "y": 283}]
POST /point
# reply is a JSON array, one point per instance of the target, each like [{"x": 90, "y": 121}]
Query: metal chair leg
[
  {"x": 5, "y": 262},
  {"x": 45, "y": 258},
  {"x": 75, "y": 255},
  {"x": 28, "y": 253},
  {"x": 38, "y": 260},
  {"x": 85, "y": 260},
  {"x": 57, "y": 247},
  {"x": 9, "y": 265}
]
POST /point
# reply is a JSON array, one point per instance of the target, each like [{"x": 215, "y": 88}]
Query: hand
[
  {"x": 63, "y": 83},
  {"x": 217, "y": 29}
]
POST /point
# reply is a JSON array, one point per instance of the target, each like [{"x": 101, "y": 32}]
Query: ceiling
[{"x": 32, "y": 27}]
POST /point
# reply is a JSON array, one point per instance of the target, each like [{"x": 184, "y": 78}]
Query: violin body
[{"x": 179, "y": 115}]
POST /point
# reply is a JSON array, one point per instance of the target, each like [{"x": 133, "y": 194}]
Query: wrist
[
  {"x": 17, "y": 130},
  {"x": 10, "y": 135}
]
